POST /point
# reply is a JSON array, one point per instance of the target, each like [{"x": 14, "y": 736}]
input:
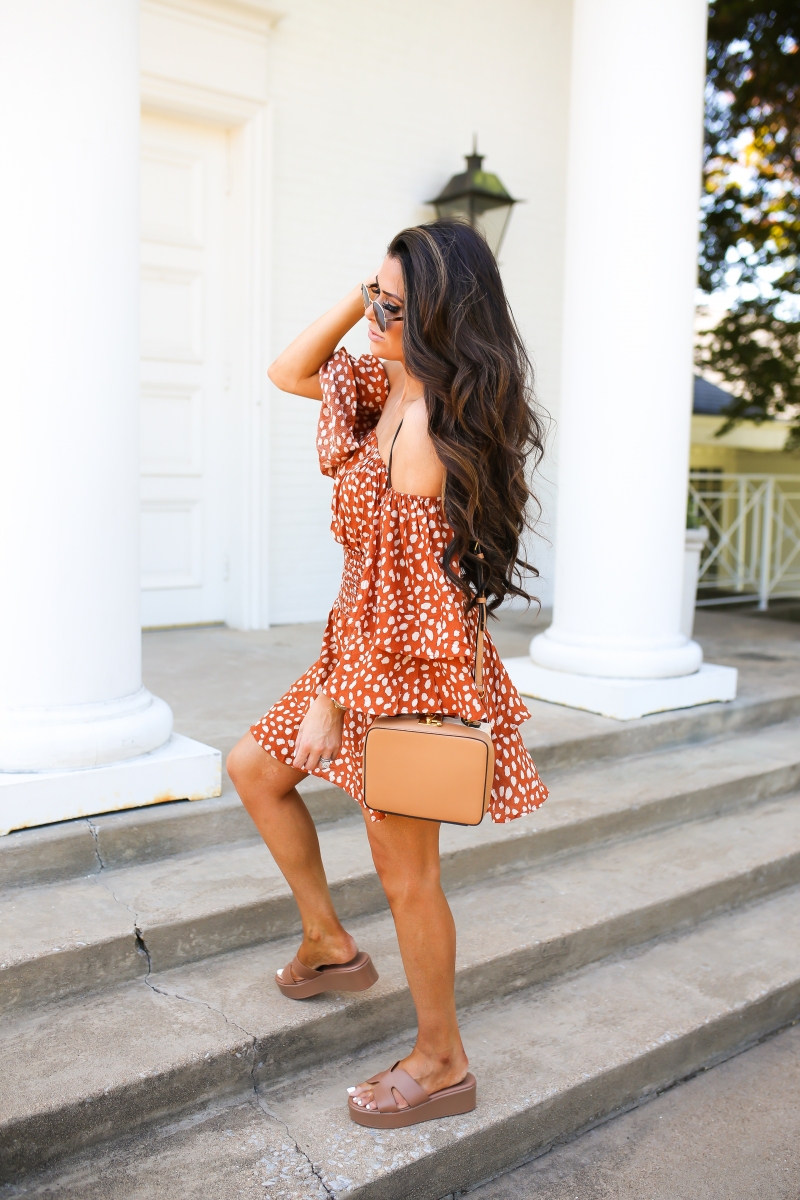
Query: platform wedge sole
[
  {"x": 449, "y": 1102},
  {"x": 354, "y": 976}
]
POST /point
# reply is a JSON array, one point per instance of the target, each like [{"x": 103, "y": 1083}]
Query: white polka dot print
[{"x": 398, "y": 639}]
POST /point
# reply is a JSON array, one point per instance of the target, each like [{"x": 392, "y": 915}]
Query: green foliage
[
  {"x": 756, "y": 352},
  {"x": 751, "y": 205}
]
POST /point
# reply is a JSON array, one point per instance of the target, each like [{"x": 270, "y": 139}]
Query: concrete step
[
  {"x": 558, "y": 1059},
  {"x": 596, "y": 738},
  {"x": 90, "y": 933},
  {"x": 116, "y": 840},
  {"x": 228, "y": 1151},
  {"x": 68, "y": 849},
  {"x": 85, "y": 1070},
  {"x": 550, "y": 1061}
]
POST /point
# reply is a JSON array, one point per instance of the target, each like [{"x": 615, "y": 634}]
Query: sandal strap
[
  {"x": 301, "y": 971},
  {"x": 399, "y": 1079}
]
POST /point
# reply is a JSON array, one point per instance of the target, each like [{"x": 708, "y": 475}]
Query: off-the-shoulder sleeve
[
  {"x": 353, "y": 394},
  {"x": 414, "y": 608},
  {"x": 412, "y": 641}
]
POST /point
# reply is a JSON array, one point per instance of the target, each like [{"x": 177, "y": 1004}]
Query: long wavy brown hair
[{"x": 461, "y": 342}]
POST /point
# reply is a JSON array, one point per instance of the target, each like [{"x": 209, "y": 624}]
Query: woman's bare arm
[{"x": 296, "y": 370}]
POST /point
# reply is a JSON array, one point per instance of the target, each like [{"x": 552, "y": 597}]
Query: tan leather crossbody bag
[
  {"x": 432, "y": 766},
  {"x": 429, "y": 766}
]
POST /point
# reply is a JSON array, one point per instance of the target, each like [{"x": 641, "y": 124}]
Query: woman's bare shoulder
[{"x": 416, "y": 469}]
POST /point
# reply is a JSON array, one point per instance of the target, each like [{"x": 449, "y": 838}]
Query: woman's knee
[
  {"x": 256, "y": 775},
  {"x": 248, "y": 767},
  {"x": 239, "y": 763}
]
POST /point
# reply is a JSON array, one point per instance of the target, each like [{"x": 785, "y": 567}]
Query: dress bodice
[{"x": 405, "y": 603}]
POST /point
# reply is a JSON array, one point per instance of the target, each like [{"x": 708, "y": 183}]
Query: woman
[{"x": 427, "y": 440}]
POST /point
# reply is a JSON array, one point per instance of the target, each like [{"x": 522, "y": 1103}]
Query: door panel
[
  {"x": 172, "y": 315},
  {"x": 184, "y": 426},
  {"x": 171, "y": 429},
  {"x": 171, "y": 544}
]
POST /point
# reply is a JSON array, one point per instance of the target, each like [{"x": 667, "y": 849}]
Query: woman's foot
[
  {"x": 326, "y": 951},
  {"x": 326, "y": 964},
  {"x": 432, "y": 1074}
]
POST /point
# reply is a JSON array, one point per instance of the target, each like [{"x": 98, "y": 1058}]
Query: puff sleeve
[{"x": 354, "y": 392}]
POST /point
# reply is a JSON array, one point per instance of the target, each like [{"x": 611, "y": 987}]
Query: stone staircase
[{"x": 643, "y": 925}]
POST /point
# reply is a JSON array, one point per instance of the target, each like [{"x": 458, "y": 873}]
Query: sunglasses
[{"x": 378, "y": 309}]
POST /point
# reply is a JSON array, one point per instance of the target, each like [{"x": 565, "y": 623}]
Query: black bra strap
[{"x": 391, "y": 452}]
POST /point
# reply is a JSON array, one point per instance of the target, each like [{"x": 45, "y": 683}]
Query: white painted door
[{"x": 186, "y": 426}]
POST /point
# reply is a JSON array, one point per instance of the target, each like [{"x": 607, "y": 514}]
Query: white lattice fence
[{"x": 753, "y": 549}]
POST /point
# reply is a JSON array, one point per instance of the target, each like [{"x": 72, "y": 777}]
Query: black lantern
[{"x": 478, "y": 197}]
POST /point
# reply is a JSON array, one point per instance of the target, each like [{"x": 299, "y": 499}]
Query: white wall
[{"x": 373, "y": 108}]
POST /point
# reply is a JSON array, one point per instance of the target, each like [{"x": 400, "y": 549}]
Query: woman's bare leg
[
  {"x": 406, "y": 856},
  {"x": 268, "y": 790}
]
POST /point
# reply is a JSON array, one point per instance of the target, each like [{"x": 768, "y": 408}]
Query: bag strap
[{"x": 481, "y": 600}]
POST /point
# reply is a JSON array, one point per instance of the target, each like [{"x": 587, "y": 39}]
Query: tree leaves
[
  {"x": 750, "y": 209},
  {"x": 756, "y": 352}
]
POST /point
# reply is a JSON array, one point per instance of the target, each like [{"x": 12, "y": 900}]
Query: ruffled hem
[
  {"x": 516, "y": 789},
  {"x": 380, "y": 683},
  {"x": 422, "y": 686}
]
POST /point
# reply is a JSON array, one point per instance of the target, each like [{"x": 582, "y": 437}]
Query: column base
[
  {"x": 182, "y": 769},
  {"x": 71, "y": 737},
  {"x": 623, "y": 699}
]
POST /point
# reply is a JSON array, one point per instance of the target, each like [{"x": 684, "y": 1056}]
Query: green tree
[{"x": 750, "y": 210}]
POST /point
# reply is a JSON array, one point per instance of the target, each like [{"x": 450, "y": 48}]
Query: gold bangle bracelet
[{"x": 336, "y": 704}]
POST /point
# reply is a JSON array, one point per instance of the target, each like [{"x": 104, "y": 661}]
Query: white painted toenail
[{"x": 351, "y": 1090}]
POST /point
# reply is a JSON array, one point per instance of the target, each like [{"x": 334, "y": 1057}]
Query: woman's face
[{"x": 388, "y": 288}]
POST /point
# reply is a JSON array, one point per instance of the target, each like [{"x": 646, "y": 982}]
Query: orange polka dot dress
[{"x": 398, "y": 639}]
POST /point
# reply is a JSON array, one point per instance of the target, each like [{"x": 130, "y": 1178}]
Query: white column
[
  {"x": 624, "y": 420},
  {"x": 71, "y": 693}
]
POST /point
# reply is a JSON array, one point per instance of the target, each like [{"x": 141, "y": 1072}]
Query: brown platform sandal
[
  {"x": 353, "y": 976},
  {"x": 449, "y": 1102}
]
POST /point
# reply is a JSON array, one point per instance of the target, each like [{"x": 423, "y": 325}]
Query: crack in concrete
[
  {"x": 139, "y": 942},
  {"x": 264, "y": 1108},
  {"x": 96, "y": 838},
  {"x": 142, "y": 947},
  {"x": 202, "y": 1003},
  {"x": 114, "y": 896}
]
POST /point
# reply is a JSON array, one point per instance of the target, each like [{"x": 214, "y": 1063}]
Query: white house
[{"x": 238, "y": 165}]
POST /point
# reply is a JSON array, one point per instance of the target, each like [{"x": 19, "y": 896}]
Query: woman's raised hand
[
  {"x": 319, "y": 735},
  {"x": 296, "y": 370}
]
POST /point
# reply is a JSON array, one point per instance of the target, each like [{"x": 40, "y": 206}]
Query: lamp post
[{"x": 478, "y": 197}]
